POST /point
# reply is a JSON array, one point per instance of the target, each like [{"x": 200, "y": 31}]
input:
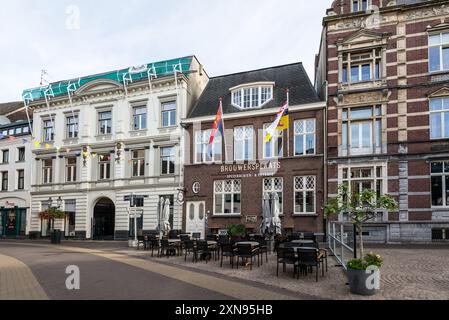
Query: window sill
[
  {"x": 19, "y": 162},
  {"x": 305, "y": 215},
  {"x": 70, "y": 140},
  {"x": 226, "y": 216},
  {"x": 104, "y": 136},
  {"x": 168, "y": 128}
]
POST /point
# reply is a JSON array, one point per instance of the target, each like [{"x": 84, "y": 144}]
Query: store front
[{"x": 13, "y": 222}]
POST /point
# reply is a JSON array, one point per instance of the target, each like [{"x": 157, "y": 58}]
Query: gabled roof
[{"x": 291, "y": 76}]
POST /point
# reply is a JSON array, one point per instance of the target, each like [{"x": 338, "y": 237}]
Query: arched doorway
[{"x": 104, "y": 220}]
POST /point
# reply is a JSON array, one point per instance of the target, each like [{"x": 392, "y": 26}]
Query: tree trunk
[{"x": 361, "y": 248}]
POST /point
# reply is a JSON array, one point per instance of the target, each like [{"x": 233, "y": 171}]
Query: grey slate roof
[
  {"x": 9, "y": 107},
  {"x": 291, "y": 76}
]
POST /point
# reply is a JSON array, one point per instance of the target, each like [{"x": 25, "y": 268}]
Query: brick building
[
  {"x": 385, "y": 65},
  {"x": 228, "y": 188}
]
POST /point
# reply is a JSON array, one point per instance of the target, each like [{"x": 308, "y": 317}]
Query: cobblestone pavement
[{"x": 409, "y": 273}]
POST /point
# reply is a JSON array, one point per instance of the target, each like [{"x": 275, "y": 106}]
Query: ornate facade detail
[{"x": 426, "y": 13}]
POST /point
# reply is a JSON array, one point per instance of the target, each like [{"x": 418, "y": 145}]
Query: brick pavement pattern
[{"x": 17, "y": 282}]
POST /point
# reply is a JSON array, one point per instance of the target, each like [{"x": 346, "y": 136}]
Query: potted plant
[
  {"x": 236, "y": 232},
  {"x": 52, "y": 214},
  {"x": 360, "y": 207}
]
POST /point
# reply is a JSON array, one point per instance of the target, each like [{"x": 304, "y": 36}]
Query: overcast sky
[{"x": 227, "y": 36}]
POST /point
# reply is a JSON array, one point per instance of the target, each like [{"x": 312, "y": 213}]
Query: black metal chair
[
  {"x": 189, "y": 247},
  {"x": 286, "y": 256},
  {"x": 203, "y": 250},
  {"x": 227, "y": 250},
  {"x": 154, "y": 244},
  {"x": 263, "y": 249},
  {"x": 308, "y": 258},
  {"x": 167, "y": 249},
  {"x": 245, "y": 252}
]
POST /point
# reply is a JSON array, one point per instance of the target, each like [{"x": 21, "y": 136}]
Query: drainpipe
[{"x": 325, "y": 152}]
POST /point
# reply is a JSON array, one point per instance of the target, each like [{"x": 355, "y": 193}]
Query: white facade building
[{"x": 113, "y": 138}]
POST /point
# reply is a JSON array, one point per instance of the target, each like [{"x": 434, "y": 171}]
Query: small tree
[{"x": 360, "y": 208}]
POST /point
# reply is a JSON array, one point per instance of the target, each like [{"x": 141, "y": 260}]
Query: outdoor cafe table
[{"x": 251, "y": 243}]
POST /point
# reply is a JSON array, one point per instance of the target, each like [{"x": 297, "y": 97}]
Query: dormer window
[{"x": 252, "y": 96}]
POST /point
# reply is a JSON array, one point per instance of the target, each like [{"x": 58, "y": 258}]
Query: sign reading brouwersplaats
[{"x": 250, "y": 169}]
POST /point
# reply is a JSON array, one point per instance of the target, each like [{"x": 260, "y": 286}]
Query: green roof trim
[{"x": 159, "y": 69}]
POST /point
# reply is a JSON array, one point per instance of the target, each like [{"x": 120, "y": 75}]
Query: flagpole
[
  {"x": 288, "y": 130},
  {"x": 224, "y": 130}
]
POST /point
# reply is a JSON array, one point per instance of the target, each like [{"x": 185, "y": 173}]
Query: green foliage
[
  {"x": 236, "y": 230},
  {"x": 360, "y": 207},
  {"x": 370, "y": 259},
  {"x": 52, "y": 213}
]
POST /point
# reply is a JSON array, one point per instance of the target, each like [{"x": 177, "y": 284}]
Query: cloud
[{"x": 227, "y": 36}]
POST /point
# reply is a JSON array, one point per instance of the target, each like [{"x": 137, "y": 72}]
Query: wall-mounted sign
[
  {"x": 251, "y": 219},
  {"x": 196, "y": 188},
  {"x": 232, "y": 168}
]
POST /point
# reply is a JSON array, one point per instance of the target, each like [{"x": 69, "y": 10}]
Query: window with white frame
[
  {"x": 5, "y": 156},
  {"x": 47, "y": 171},
  {"x": 5, "y": 181},
  {"x": 361, "y": 178},
  {"x": 359, "y": 5},
  {"x": 305, "y": 137},
  {"x": 104, "y": 167},
  {"x": 439, "y": 118},
  {"x": 361, "y": 130},
  {"x": 275, "y": 147},
  {"x": 167, "y": 160},
  {"x": 168, "y": 115},
  {"x": 138, "y": 161},
  {"x": 252, "y": 97},
  {"x": 227, "y": 197},
  {"x": 305, "y": 195},
  {"x": 363, "y": 66},
  {"x": 440, "y": 183},
  {"x": 205, "y": 153},
  {"x": 48, "y": 131},
  {"x": 439, "y": 51},
  {"x": 105, "y": 122},
  {"x": 20, "y": 179},
  {"x": 72, "y": 127},
  {"x": 243, "y": 143},
  {"x": 21, "y": 154},
  {"x": 71, "y": 169},
  {"x": 274, "y": 185},
  {"x": 140, "y": 118}
]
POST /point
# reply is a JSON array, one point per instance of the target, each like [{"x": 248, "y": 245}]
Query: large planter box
[
  {"x": 358, "y": 282},
  {"x": 56, "y": 236}
]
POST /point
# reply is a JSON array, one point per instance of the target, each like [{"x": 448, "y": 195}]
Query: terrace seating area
[{"x": 299, "y": 252}]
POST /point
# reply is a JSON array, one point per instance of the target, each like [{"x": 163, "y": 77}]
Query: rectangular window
[
  {"x": 71, "y": 169},
  {"x": 71, "y": 127},
  {"x": 243, "y": 143},
  {"x": 361, "y": 130},
  {"x": 275, "y": 147},
  {"x": 21, "y": 154},
  {"x": 20, "y": 179},
  {"x": 5, "y": 181},
  {"x": 274, "y": 185},
  {"x": 167, "y": 161},
  {"x": 439, "y": 118},
  {"x": 227, "y": 197},
  {"x": 305, "y": 137},
  {"x": 47, "y": 171},
  {"x": 5, "y": 156},
  {"x": 104, "y": 167},
  {"x": 140, "y": 118},
  {"x": 439, "y": 52},
  {"x": 168, "y": 114},
  {"x": 138, "y": 161},
  {"x": 205, "y": 153},
  {"x": 48, "y": 131},
  {"x": 105, "y": 122},
  {"x": 440, "y": 183},
  {"x": 359, "y": 179},
  {"x": 359, "y": 5},
  {"x": 305, "y": 195},
  {"x": 361, "y": 66}
]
